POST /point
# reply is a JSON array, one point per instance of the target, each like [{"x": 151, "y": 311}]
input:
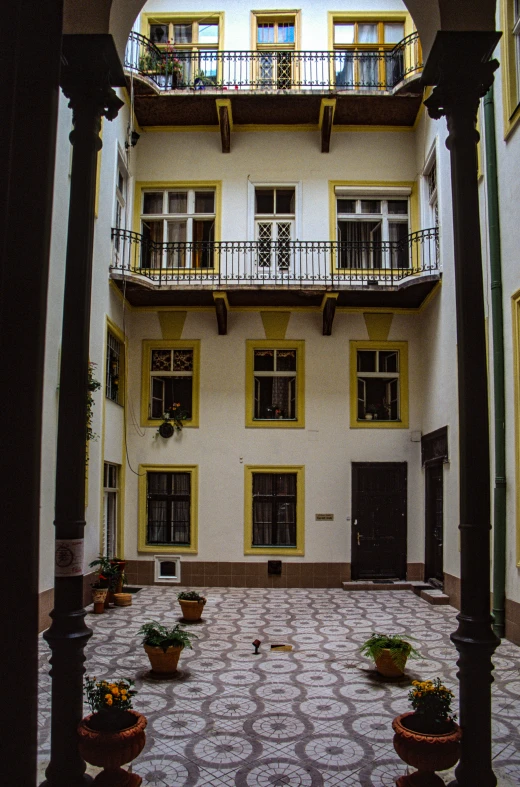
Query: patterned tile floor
[{"x": 318, "y": 716}]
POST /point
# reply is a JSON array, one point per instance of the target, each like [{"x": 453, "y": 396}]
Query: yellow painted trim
[
  {"x": 115, "y": 289},
  {"x": 184, "y": 184},
  {"x": 142, "y": 546},
  {"x": 402, "y": 347},
  {"x": 368, "y": 129},
  {"x": 164, "y": 17},
  {"x": 120, "y": 336},
  {"x": 413, "y": 198},
  {"x": 299, "y": 549},
  {"x": 169, "y": 344},
  {"x": 515, "y": 304},
  {"x": 326, "y": 102},
  {"x": 367, "y": 16},
  {"x": 275, "y": 324},
  {"x": 98, "y": 170},
  {"x": 274, "y": 15},
  {"x": 172, "y": 323},
  {"x": 225, "y": 102},
  {"x": 378, "y": 325},
  {"x": 329, "y": 296},
  {"x": 510, "y": 87},
  {"x": 275, "y": 344}
]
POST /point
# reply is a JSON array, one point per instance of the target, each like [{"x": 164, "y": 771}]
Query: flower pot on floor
[
  {"x": 386, "y": 666},
  {"x": 192, "y": 610},
  {"x": 105, "y": 741},
  {"x": 428, "y": 752},
  {"x": 123, "y": 599},
  {"x": 98, "y": 597},
  {"x": 163, "y": 662}
]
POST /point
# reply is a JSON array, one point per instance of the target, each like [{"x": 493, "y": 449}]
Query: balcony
[
  {"x": 284, "y": 273},
  {"x": 179, "y": 88}
]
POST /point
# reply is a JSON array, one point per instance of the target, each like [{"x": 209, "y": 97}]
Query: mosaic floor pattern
[{"x": 318, "y": 716}]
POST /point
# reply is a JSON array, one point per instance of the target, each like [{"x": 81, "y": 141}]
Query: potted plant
[
  {"x": 192, "y": 604},
  {"x": 163, "y": 646},
  {"x": 113, "y": 734},
  {"x": 390, "y": 652},
  {"x": 99, "y": 595},
  {"x": 427, "y": 738},
  {"x": 111, "y": 575}
]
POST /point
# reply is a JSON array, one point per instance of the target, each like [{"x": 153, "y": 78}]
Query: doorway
[
  {"x": 434, "y": 507},
  {"x": 379, "y": 503}
]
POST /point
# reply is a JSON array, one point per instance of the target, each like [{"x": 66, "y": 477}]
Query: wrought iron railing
[
  {"x": 281, "y": 263},
  {"x": 376, "y": 70}
]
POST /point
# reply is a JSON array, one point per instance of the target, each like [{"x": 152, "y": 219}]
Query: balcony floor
[
  {"x": 318, "y": 716},
  {"x": 197, "y": 107}
]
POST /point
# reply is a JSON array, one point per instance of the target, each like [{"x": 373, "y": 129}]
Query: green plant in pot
[
  {"x": 427, "y": 738},
  {"x": 163, "y": 646},
  {"x": 113, "y": 734},
  {"x": 110, "y": 574},
  {"x": 192, "y": 605},
  {"x": 390, "y": 653}
]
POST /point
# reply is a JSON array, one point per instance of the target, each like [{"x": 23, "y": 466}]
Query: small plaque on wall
[{"x": 324, "y": 517}]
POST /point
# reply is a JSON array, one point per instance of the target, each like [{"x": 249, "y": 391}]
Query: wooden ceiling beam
[{"x": 225, "y": 121}]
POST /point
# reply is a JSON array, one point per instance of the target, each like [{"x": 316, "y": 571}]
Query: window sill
[
  {"x": 168, "y": 548},
  {"x": 364, "y": 424},
  {"x": 282, "y": 423},
  {"x": 274, "y": 551}
]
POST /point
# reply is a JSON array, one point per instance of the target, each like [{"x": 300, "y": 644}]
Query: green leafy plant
[
  {"x": 190, "y": 595},
  {"x": 400, "y": 650},
  {"x": 109, "y": 572},
  {"x": 431, "y": 701},
  {"x": 158, "y": 636},
  {"x": 105, "y": 695},
  {"x": 93, "y": 385}
]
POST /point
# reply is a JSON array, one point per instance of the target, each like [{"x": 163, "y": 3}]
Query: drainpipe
[{"x": 495, "y": 262}]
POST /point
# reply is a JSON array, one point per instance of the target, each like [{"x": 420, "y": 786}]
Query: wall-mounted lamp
[{"x": 134, "y": 139}]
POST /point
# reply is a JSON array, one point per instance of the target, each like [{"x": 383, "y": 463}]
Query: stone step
[
  {"x": 363, "y": 584},
  {"x": 419, "y": 585},
  {"x": 435, "y": 596}
]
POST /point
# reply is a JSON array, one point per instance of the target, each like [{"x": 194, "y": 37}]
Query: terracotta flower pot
[
  {"x": 428, "y": 752},
  {"x": 192, "y": 610},
  {"x": 98, "y": 597},
  {"x": 163, "y": 662},
  {"x": 109, "y": 750},
  {"x": 385, "y": 665}
]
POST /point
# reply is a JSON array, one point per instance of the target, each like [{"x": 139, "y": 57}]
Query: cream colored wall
[{"x": 223, "y": 445}]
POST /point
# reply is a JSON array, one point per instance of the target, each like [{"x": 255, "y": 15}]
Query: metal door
[{"x": 379, "y": 501}]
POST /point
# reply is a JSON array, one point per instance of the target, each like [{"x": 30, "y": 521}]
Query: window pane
[
  {"x": 182, "y": 34},
  {"x": 286, "y": 360},
  {"x": 265, "y": 33},
  {"x": 208, "y": 34},
  {"x": 204, "y": 202},
  {"x": 398, "y": 207},
  {"x": 346, "y": 205},
  {"x": 343, "y": 34},
  {"x": 394, "y": 32},
  {"x": 370, "y": 206},
  {"x": 264, "y": 360},
  {"x": 285, "y": 200},
  {"x": 159, "y": 34},
  {"x": 153, "y": 202},
  {"x": 264, "y": 200},
  {"x": 158, "y": 483},
  {"x": 388, "y": 361},
  {"x": 178, "y": 396},
  {"x": 275, "y": 398},
  {"x": 161, "y": 360},
  {"x": 177, "y": 231},
  {"x": 367, "y": 34},
  {"x": 366, "y": 361},
  {"x": 286, "y": 33},
  {"x": 176, "y": 251},
  {"x": 183, "y": 360},
  {"x": 177, "y": 202}
]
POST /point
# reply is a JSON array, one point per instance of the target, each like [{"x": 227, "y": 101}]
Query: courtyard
[{"x": 315, "y": 716}]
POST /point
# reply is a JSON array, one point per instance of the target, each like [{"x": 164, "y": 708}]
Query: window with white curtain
[
  {"x": 362, "y": 48},
  {"x": 371, "y": 232},
  {"x": 275, "y": 384},
  {"x": 110, "y": 508},
  {"x": 274, "y": 509},
  {"x": 168, "y": 508}
]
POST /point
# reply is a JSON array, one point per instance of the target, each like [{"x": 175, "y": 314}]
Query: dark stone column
[
  {"x": 460, "y": 67},
  {"x": 30, "y": 44},
  {"x": 90, "y": 66}
]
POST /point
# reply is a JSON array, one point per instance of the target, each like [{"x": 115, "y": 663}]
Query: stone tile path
[{"x": 318, "y": 716}]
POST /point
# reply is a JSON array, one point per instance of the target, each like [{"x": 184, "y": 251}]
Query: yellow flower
[
  {"x": 108, "y": 699},
  {"x": 115, "y": 691}
]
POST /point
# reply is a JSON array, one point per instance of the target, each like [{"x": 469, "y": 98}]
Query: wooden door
[
  {"x": 434, "y": 506},
  {"x": 379, "y": 502}
]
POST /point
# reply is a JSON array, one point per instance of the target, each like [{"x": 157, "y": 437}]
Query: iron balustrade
[
  {"x": 275, "y": 263},
  {"x": 208, "y": 69}
]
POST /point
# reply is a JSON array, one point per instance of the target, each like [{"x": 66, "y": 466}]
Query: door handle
[{"x": 358, "y": 540}]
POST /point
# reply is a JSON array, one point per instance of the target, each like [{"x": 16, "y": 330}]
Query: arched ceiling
[{"x": 117, "y": 17}]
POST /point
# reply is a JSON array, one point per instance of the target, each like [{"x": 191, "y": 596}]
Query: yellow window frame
[
  {"x": 118, "y": 334},
  {"x": 515, "y": 303},
  {"x": 413, "y": 216},
  {"x": 169, "y": 344},
  {"x": 275, "y": 344},
  {"x": 185, "y": 18},
  {"x": 275, "y": 17},
  {"x": 299, "y": 549},
  {"x": 509, "y": 55},
  {"x": 142, "y": 546},
  {"x": 402, "y": 348},
  {"x": 166, "y": 185}
]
